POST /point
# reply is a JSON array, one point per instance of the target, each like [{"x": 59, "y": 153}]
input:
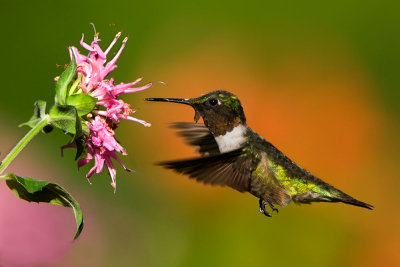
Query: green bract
[
  {"x": 63, "y": 82},
  {"x": 82, "y": 102},
  {"x": 66, "y": 118}
]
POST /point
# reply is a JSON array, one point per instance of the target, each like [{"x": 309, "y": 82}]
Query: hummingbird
[{"x": 232, "y": 154}]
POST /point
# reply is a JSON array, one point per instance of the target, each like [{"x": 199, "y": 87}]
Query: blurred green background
[{"x": 319, "y": 80}]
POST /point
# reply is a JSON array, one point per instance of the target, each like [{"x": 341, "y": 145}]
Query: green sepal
[
  {"x": 82, "y": 102},
  {"x": 64, "y": 81},
  {"x": 38, "y": 114},
  {"x": 33, "y": 190},
  {"x": 80, "y": 147},
  {"x": 66, "y": 118}
]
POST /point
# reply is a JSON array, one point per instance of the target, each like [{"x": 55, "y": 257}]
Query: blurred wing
[
  {"x": 230, "y": 169},
  {"x": 198, "y": 135}
]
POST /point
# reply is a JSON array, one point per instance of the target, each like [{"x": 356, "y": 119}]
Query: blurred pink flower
[{"x": 92, "y": 71}]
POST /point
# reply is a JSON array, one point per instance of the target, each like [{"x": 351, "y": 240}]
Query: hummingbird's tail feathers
[
  {"x": 340, "y": 196},
  {"x": 352, "y": 201},
  {"x": 344, "y": 198}
]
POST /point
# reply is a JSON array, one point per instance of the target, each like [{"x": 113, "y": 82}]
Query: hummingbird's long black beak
[
  {"x": 179, "y": 101},
  {"x": 172, "y": 100}
]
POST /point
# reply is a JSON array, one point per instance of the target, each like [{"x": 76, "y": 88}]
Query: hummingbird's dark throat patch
[{"x": 221, "y": 126}]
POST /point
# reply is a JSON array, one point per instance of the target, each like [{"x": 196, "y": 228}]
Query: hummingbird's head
[{"x": 220, "y": 110}]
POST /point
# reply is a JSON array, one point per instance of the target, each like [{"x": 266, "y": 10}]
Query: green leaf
[
  {"x": 33, "y": 190},
  {"x": 63, "y": 82},
  {"x": 38, "y": 113},
  {"x": 66, "y": 118},
  {"x": 82, "y": 102}
]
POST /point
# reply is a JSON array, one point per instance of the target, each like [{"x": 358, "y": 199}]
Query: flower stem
[{"x": 23, "y": 142}]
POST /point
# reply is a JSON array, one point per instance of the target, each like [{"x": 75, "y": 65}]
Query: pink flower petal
[
  {"x": 69, "y": 145},
  {"x": 85, "y": 45},
  {"x": 111, "y": 64},
  {"x": 112, "y": 172},
  {"x": 137, "y": 89},
  {"x": 146, "y": 124},
  {"x": 120, "y": 162},
  {"x": 113, "y": 42}
]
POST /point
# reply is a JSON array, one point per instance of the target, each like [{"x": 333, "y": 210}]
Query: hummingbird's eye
[{"x": 213, "y": 101}]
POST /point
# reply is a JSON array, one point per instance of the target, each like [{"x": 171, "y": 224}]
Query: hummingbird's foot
[
  {"x": 273, "y": 207},
  {"x": 262, "y": 208}
]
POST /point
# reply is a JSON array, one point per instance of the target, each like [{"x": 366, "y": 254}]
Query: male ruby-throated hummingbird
[{"x": 234, "y": 155}]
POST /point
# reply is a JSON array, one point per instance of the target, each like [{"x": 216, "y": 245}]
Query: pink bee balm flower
[{"x": 92, "y": 71}]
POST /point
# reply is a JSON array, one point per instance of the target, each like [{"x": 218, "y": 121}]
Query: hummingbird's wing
[
  {"x": 230, "y": 169},
  {"x": 198, "y": 135}
]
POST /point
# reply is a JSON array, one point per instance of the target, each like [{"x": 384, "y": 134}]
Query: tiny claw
[
  {"x": 272, "y": 207},
  {"x": 265, "y": 213},
  {"x": 262, "y": 208},
  {"x": 275, "y": 209}
]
